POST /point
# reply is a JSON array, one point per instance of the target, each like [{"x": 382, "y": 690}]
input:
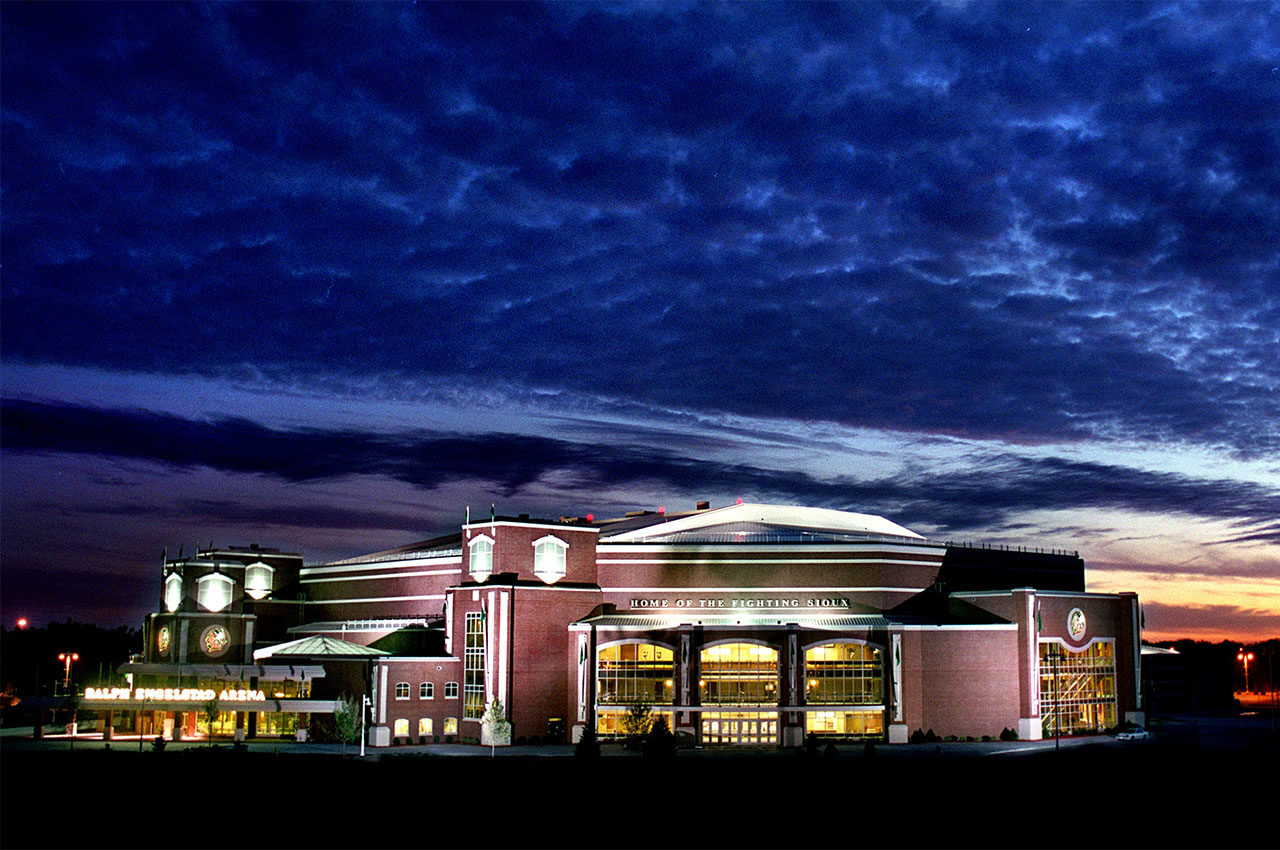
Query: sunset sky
[{"x": 319, "y": 276}]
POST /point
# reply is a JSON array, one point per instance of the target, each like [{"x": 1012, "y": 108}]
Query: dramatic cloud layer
[{"x": 676, "y": 237}]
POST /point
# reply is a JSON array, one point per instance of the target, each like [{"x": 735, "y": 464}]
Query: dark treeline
[
  {"x": 29, "y": 664},
  {"x": 1223, "y": 655}
]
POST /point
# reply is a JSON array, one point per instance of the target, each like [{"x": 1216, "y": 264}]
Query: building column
[
  {"x": 108, "y": 726},
  {"x": 898, "y": 732},
  {"x": 689, "y": 665},
  {"x": 790, "y": 669}
]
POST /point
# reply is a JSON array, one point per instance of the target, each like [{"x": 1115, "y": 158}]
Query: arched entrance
[{"x": 739, "y": 693}]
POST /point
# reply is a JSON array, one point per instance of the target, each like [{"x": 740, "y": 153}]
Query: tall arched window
[
  {"x": 635, "y": 673},
  {"x": 481, "y": 564},
  {"x": 213, "y": 592},
  {"x": 739, "y": 674},
  {"x": 257, "y": 580},
  {"x": 549, "y": 558}
]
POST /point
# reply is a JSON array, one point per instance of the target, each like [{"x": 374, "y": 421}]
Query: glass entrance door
[{"x": 740, "y": 727}]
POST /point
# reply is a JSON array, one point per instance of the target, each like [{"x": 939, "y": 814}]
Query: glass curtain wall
[
  {"x": 1077, "y": 689},
  {"x": 739, "y": 674},
  {"x": 630, "y": 675}
]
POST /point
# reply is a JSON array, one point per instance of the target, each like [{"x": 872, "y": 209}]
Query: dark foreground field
[{"x": 1103, "y": 797}]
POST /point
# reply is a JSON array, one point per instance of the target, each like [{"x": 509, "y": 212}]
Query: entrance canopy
[{"x": 318, "y": 646}]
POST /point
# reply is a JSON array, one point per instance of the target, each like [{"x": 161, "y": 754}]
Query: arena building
[{"x": 744, "y": 624}]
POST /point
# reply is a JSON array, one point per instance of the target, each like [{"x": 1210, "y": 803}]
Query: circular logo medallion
[
  {"x": 1075, "y": 624},
  {"x": 215, "y": 640},
  {"x": 162, "y": 640}
]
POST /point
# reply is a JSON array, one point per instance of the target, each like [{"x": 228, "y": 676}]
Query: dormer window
[
  {"x": 213, "y": 592},
  {"x": 549, "y": 558},
  {"x": 481, "y": 558},
  {"x": 257, "y": 580},
  {"x": 172, "y": 592}
]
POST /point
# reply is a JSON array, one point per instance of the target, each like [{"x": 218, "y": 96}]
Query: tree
[
  {"x": 212, "y": 711},
  {"x": 495, "y": 729},
  {"x": 636, "y": 723},
  {"x": 659, "y": 743},
  {"x": 346, "y": 720}
]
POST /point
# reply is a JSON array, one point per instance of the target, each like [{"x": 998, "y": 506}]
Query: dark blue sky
[{"x": 319, "y": 275}]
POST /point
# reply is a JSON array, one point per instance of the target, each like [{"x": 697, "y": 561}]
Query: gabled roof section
[
  {"x": 939, "y": 608},
  {"x": 756, "y": 523}
]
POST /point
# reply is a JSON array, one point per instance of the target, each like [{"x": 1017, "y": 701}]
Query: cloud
[
  {"x": 953, "y": 499},
  {"x": 990, "y": 220},
  {"x": 1209, "y": 621}
]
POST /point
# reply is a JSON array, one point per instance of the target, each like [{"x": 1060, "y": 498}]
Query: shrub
[
  {"x": 588, "y": 746},
  {"x": 1008, "y": 735},
  {"x": 917, "y": 737},
  {"x": 422, "y": 739}
]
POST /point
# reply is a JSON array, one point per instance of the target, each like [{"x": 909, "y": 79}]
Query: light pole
[
  {"x": 66, "y": 658},
  {"x": 1246, "y": 657},
  {"x": 364, "y": 711}
]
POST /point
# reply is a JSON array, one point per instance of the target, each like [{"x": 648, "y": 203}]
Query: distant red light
[
  {"x": 22, "y": 622},
  {"x": 591, "y": 517},
  {"x": 739, "y": 501},
  {"x": 662, "y": 509}
]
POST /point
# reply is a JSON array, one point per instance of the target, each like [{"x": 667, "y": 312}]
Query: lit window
[
  {"x": 450, "y": 690},
  {"x": 843, "y": 674},
  {"x": 739, "y": 673},
  {"x": 173, "y": 592},
  {"x": 481, "y": 558},
  {"x": 426, "y": 691},
  {"x": 635, "y": 673},
  {"x": 402, "y": 728},
  {"x": 257, "y": 580},
  {"x": 213, "y": 592},
  {"x": 424, "y": 726},
  {"x": 549, "y": 559},
  {"x": 473, "y": 667},
  {"x": 451, "y": 725}
]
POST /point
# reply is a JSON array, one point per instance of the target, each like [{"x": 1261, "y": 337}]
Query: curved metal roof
[{"x": 759, "y": 523}]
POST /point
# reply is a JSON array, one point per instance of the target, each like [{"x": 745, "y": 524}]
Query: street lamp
[
  {"x": 66, "y": 658},
  {"x": 1246, "y": 657}
]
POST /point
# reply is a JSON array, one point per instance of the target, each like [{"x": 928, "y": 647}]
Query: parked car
[{"x": 1137, "y": 733}]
